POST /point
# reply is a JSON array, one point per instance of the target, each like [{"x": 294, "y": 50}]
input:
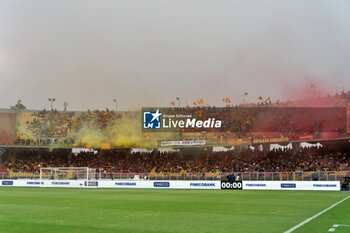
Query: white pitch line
[{"x": 315, "y": 216}]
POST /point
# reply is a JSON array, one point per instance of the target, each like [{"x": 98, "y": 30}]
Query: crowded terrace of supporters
[
  {"x": 58, "y": 127},
  {"x": 277, "y": 160}
]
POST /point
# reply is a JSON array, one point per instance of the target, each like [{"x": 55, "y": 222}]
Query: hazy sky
[{"x": 147, "y": 52}]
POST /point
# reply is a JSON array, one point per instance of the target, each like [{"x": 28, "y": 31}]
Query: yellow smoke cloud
[{"x": 124, "y": 132}]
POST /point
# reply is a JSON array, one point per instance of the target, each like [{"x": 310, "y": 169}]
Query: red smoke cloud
[{"x": 310, "y": 93}]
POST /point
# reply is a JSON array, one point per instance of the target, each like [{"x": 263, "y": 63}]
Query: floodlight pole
[
  {"x": 51, "y": 101},
  {"x": 178, "y": 99},
  {"x": 244, "y": 95},
  {"x": 115, "y": 104}
]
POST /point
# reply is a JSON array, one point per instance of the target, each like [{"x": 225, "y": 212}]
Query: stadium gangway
[{"x": 268, "y": 176}]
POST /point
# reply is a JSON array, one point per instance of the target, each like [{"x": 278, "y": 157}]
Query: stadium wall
[
  {"x": 171, "y": 184},
  {"x": 162, "y": 184},
  {"x": 292, "y": 185}
]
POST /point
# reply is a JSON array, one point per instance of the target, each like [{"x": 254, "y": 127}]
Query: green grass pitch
[{"x": 147, "y": 210}]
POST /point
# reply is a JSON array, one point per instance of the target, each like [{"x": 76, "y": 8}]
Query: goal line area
[{"x": 67, "y": 173}]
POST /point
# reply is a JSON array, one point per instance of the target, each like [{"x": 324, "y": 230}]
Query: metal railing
[{"x": 278, "y": 176}]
